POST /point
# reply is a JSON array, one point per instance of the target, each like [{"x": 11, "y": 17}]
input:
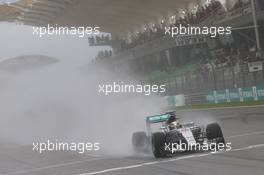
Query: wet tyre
[
  {"x": 158, "y": 145},
  {"x": 139, "y": 141},
  {"x": 214, "y": 133}
]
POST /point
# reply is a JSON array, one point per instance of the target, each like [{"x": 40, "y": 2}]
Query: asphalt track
[{"x": 243, "y": 127}]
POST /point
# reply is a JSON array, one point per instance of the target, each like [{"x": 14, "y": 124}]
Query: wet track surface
[{"x": 243, "y": 127}]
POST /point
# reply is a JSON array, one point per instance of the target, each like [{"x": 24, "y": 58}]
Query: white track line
[
  {"x": 180, "y": 158},
  {"x": 52, "y": 166},
  {"x": 131, "y": 166},
  {"x": 169, "y": 160}
]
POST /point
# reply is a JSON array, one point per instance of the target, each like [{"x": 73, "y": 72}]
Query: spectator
[{"x": 157, "y": 30}]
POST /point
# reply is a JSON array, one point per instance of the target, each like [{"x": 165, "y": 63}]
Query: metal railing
[{"x": 228, "y": 77}]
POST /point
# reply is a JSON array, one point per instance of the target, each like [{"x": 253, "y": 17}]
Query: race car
[{"x": 172, "y": 133}]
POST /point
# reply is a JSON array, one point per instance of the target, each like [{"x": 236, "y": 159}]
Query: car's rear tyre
[
  {"x": 214, "y": 133},
  {"x": 158, "y": 144},
  {"x": 139, "y": 141}
]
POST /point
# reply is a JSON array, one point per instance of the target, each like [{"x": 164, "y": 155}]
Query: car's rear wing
[{"x": 157, "y": 118}]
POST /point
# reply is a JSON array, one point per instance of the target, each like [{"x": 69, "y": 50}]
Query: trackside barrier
[
  {"x": 254, "y": 93},
  {"x": 175, "y": 101},
  {"x": 246, "y": 94}
]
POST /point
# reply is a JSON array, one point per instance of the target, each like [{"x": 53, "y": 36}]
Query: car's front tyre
[{"x": 214, "y": 133}]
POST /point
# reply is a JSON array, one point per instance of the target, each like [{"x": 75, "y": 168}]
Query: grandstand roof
[
  {"x": 26, "y": 62},
  {"x": 114, "y": 16}
]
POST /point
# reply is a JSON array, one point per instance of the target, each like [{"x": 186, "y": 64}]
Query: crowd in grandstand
[
  {"x": 158, "y": 30},
  {"x": 202, "y": 13},
  {"x": 99, "y": 40},
  {"x": 104, "y": 54},
  {"x": 230, "y": 56}
]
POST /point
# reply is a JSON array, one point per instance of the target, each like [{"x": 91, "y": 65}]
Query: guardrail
[
  {"x": 221, "y": 85},
  {"x": 246, "y": 94},
  {"x": 228, "y": 77}
]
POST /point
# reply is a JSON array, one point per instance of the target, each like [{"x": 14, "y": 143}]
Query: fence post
[
  {"x": 233, "y": 77},
  {"x": 255, "y": 78},
  {"x": 223, "y": 73},
  {"x": 214, "y": 79}
]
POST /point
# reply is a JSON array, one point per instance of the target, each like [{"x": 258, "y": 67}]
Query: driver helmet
[{"x": 173, "y": 122}]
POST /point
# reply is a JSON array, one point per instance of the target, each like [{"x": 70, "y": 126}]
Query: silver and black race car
[{"x": 172, "y": 135}]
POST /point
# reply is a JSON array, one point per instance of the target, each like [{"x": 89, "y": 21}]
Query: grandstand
[
  {"x": 200, "y": 63},
  {"x": 188, "y": 64}
]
